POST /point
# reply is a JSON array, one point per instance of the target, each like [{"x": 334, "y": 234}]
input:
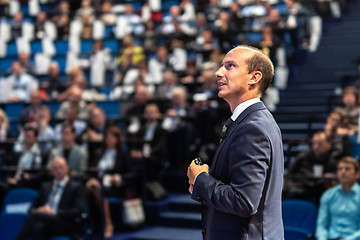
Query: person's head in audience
[
  {"x": 17, "y": 69},
  {"x": 98, "y": 45},
  {"x": 350, "y": 97},
  {"x": 321, "y": 145},
  {"x": 64, "y": 7},
  {"x": 347, "y": 172},
  {"x": 113, "y": 139},
  {"x": 24, "y": 58},
  {"x": 74, "y": 72},
  {"x": 290, "y": 4},
  {"x": 170, "y": 78},
  {"x": 35, "y": 99},
  {"x": 162, "y": 54},
  {"x": 179, "y": 97},
  {"x": 80, "y": 82},
  {"x": 30, "y": 137},
  {"x": 41, "y": 17},
  {"x": 18, "y": 17},
  {"x": 175, "y": 11},
  {"x": 333, "y": 123},
  {"x": 67, "y": 135},
  {"x": 85, "y": 4},
  {"x": 129, "y": 9},
  {"x": 43, "y": 116},
  {"x": 97, "y": 117},
  {"x": 152, "y": 113},
  {"x": 54, "y": 70},
  {"x": 75, "y": 96},
  {"x": 71, "y": 113},
  {"x": 59, "y": 168},
  {"x": 142, "y": 96}
]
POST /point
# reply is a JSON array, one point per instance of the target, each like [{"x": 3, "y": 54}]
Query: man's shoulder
[{"x": 331, "y": 192}]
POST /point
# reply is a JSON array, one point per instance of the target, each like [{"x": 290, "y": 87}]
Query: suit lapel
[{"x": 246, "y": 112}]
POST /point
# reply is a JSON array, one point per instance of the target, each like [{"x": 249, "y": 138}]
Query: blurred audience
[
  {"x": 57, "y": 209},
  {"x": 339, "y": 212},
  {"x": 76, "y": 156}
]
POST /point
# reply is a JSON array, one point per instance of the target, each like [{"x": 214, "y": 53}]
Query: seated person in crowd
[
  {"x": 54, "y": 84},
  {"x": 21, "y": 84},
  {"x": 71, "y": 116},
  {"x": 310, "y": 168},
  {"x": 165, "y": 90},
  {"x": 75, "y": 99},
  {"x": 349, "y": 110},
  {"x": 339, "y": 212},
  {"x": 30, "y": 157},
  {"x": 29, "y": 113},
  {"x": 56, "y": 208},
  {"x": 148, "y": 144},
  {"x": 93, "y": 135},
  {"x": 177, "y": 122},
  {"x": 340, "y": 140},
  {"x": 75, "y": 156},
  {"x": 46, "y": 134},
  {"x": 114, "y": 175}
]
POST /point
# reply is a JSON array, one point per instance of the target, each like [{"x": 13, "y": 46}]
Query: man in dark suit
[
  {"x": 241, "y": 194},
  {"x": 57, "y": 207}
]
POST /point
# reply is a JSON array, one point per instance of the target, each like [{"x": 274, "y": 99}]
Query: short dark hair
[
  {"x": 350, "y": 160},
  {"x": 351, "y": 90},
  {"x": 67, "y": 124},
  {"x": 28, "y": 128},
  {"x": 259, "y": 61}
]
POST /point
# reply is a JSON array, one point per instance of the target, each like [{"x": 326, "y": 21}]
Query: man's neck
[
  {"x": 347, "y": 187},
  {"x": 244, "y": 98}
]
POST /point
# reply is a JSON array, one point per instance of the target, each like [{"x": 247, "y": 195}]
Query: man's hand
[
  {"x": 194, "y": 170},
  {"x": 12, "y": 181},
  {"x": 45, "y": 209}
]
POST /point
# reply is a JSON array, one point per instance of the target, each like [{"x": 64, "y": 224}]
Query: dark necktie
[
  {"x": 227, "y": 124},
  {"x": 51, "y": 198}
]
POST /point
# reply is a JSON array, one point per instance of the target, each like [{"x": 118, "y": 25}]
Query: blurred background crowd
[{"x": 125, "y": 91}]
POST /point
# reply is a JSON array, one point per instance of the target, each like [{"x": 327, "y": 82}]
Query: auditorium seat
[{"x": 299, "y": 218}]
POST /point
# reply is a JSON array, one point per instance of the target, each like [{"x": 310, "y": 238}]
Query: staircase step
[
  {"x": 181, "y": 219},
  {"x": 167, "y": 233}
]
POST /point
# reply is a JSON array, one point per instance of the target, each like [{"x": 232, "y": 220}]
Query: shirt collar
[
  {"x": 62, "y": 182},
  {"x": 354, "y": 189},
  {"x": 242, "y": 106}
]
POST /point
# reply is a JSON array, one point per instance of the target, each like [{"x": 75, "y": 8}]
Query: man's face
[
  {"x": 29, "y": 138},
  {"x": 233, "y": 76},
  {"x": 320, "y": 145},
  {"x": 151, "y": 113},
  {"x": 59, "y": 169},
  {"x": 97, "y": 118},
  {"x": 35, "y": 99},
  {"x": 349, "y": 100},
  {"x": 67, "y": 136},
  {"x": 346, "y": 173}
]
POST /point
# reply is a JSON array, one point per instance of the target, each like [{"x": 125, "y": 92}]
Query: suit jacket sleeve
[{"x": 244, "y": 162}]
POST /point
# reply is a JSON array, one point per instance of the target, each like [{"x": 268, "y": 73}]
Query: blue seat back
[
  {"x": 18, "y": 195},
  {"x": 299, "y": 216}
]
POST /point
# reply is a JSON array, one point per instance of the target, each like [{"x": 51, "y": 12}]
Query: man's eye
[{"x": 228, "y": 66}]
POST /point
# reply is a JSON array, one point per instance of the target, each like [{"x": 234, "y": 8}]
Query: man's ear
[{"x": 256, "y": 77}]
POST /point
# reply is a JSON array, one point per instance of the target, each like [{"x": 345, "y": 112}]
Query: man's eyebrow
[{"x": 227, "y": 62}]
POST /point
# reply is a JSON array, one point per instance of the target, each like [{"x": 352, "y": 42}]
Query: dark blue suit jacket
[{"x": 241, "y": 195}]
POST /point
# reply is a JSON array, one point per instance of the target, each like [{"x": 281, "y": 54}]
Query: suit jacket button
[
  {"x": 203, "y": 232},
  {"x": 203, "y": 202},
  {"x": 198, "y": 199}
]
